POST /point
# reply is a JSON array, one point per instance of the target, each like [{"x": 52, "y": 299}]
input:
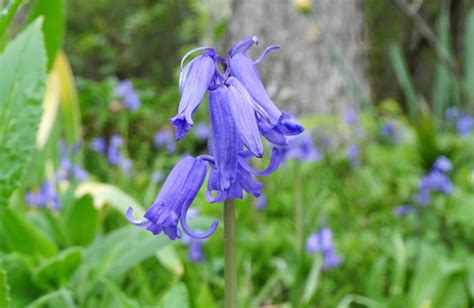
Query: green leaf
[
  {"x": 170, "y": 259},
  {"x": 115, "y": 297},
  {"x": 62, "y": 298},
  {"x": 54, "y": 13},
  {"x": 23, "y": 67},
  {"x": 56, "y": 272},
  {"x": 21, "y": 236},
  {"x": 177, "y": 296},
  {"x": 115, "y": 254},
  {"x": 405, "y": 81},
  {"x": 109, "y": 194},
  {"x": 82, "y": 221},
  {"x": 4, "y": 289},
  {"x": 312, "y": 280}
]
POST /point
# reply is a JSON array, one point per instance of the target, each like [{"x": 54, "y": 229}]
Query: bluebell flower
[
  {"x": 67, "y": 169},
  {"x": 157, "y": 176},
  {"x": 45, "y": 197},
  {"x": 321, "y": 242},
  {"x": 351, "y": 117},
  {"x": 99, "y": 145},
  {"x": 442, "y": 164},
  {"x": 452, "y": 114},
  {"x": 423, "y": 197},
  {"x": 302, "y": 148},
  {"x": 125, "y": 91},
  {"x": 240, "y": 112},
  {"x": 113, "y": 152},
  {"x": 195, "y": 252},
  {"x": 403, "y": 210},
  {"x": 353, "y": 152},
  {"x": 465, "y": 125},
  {"x": 262, "y": 202},
  {"x": 202, "y": 131},
  {"x": 388, "y": 130},
  {"x": 174, "y": 199},
  {"x": 126, "y": 165},
  {"x": 164, "y": 139}
]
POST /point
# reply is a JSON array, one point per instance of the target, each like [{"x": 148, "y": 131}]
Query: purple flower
[
  {"x": 423, "y": 197},
  {"x": 45, "y": 197},
  {"x": 388, "y": 130},
  {"x": 351, "y": 117},
  {"x": 302, "y": 148},
  {"x": 164, "y": 139},
  {"x": 67, "y": 169},
  {"x": 202, "y": 131},
  {"x": 157, "y": 176},
  {"x": 436, "y": 181},
  {"x": 443, "y": 164},
  {"x": 262, "y": 202},
  {"x": 465, "y": 125},
  {"x": 174, "y": 199},
  {"x": 98, "y": 144},
  {"x": 402, "y": 210},
  {"x": 452, "y": 114},
  {"x": 124, "y": 90},
  {"x": 113, "y": 152},
  {"x": 240, "y": 112},
  {"x": 195, "y": 252},
  {"x": 352, "y": 153},
  {"x": 126, "y": 165},
  {"x": 321, "y": 242}
]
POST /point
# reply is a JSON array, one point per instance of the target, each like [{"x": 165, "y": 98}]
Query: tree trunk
[{"x": 322, "y": 53}]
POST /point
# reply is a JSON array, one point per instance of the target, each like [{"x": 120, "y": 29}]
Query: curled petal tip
[{"x": 129, "y": 216}]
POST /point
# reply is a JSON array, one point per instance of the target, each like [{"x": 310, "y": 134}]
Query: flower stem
[
  {"x": 298, "y": 209},
  {"x": 230, "y": 264}
]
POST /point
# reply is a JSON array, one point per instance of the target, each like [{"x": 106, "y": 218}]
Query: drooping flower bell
[{"x": 173, "y": 201}]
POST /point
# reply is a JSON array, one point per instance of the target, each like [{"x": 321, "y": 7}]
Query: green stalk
[
  {"x": 298, "y": 210},
  {"x": 230, "y": 264}
]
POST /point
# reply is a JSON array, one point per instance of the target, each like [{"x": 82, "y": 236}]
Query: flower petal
[
  {"x": 243, "y": 45},
  {"x": 244, "y": 118},
  {"x": 198, "y": 77},
  {"x": 272, "y": 166},
  {"x": 243, "y": 68},
  {"x": 266, "y": 52},
  {"x": 223, "y": 136}
]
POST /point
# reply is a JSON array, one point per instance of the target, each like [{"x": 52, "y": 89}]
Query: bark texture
[{"x": 307, "y": 74}]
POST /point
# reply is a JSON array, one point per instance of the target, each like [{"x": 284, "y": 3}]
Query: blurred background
[{"x": 372, "y": 207}]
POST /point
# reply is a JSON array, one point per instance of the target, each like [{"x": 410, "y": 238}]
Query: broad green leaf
[
  {"x": 109, "y": 194},
  {"x": 70, "y": 112},
  {"x": 62, "y": 298},
  {"x": 19, "y": 270},
  {"x": 21, "y": 236},
  {"x": 4, "y": 289},
  {"x": 50, "y": 109},
  {"x": 169, "y": 258},
  {"x": 82, "y": 221},
  {"x": 57, "y": 271},
  {"x": 115, "y": 297},
  {"x": 54, "y": 12},
  {"x": 115, "y": 254},
  {"x": 177, "y": 296},
  {"x": 22, "y": 78}
]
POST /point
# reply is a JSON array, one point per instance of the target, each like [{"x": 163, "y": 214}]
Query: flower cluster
[
  {"x": 240, "y": 112},
  {"x": 302, "y": 148},
  {"x": 125, "y": 92},
  {"x": 321, "y": 242},
  {"x": 45, "y": 197},
  {"x": 164, "y": 139},
  {"x": 67, "y": 169},
  {"x": 112, "y": 151},
  {"x": 436, "y": 180},
  {"x": 463, "y": 121}
]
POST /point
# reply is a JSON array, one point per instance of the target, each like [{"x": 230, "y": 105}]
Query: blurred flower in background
[
  {"x": 353, "y": 152},
  {"x": 321, "y": 242},
  {"x": 113, "y": 152},
  {"x": 165, "y": 139},
  {"x": 126, "y": 93},
  {"x": 67, "y": 170},
  {"x": 465, "y": 125},
  {"x": 202, "y": 131},
  {"x": 45, "y": 197},
  {"x": 351, "y": 117},
  {"x": 157, "y": 176},
  {"x": 261, "y": 202},
  {"x": 302, "y": 148},
  {"x": 402, "y": 210},
  {"x": 99, "y": 145}
]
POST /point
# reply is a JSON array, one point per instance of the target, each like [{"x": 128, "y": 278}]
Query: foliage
[{"x": 85, "y": 254}]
